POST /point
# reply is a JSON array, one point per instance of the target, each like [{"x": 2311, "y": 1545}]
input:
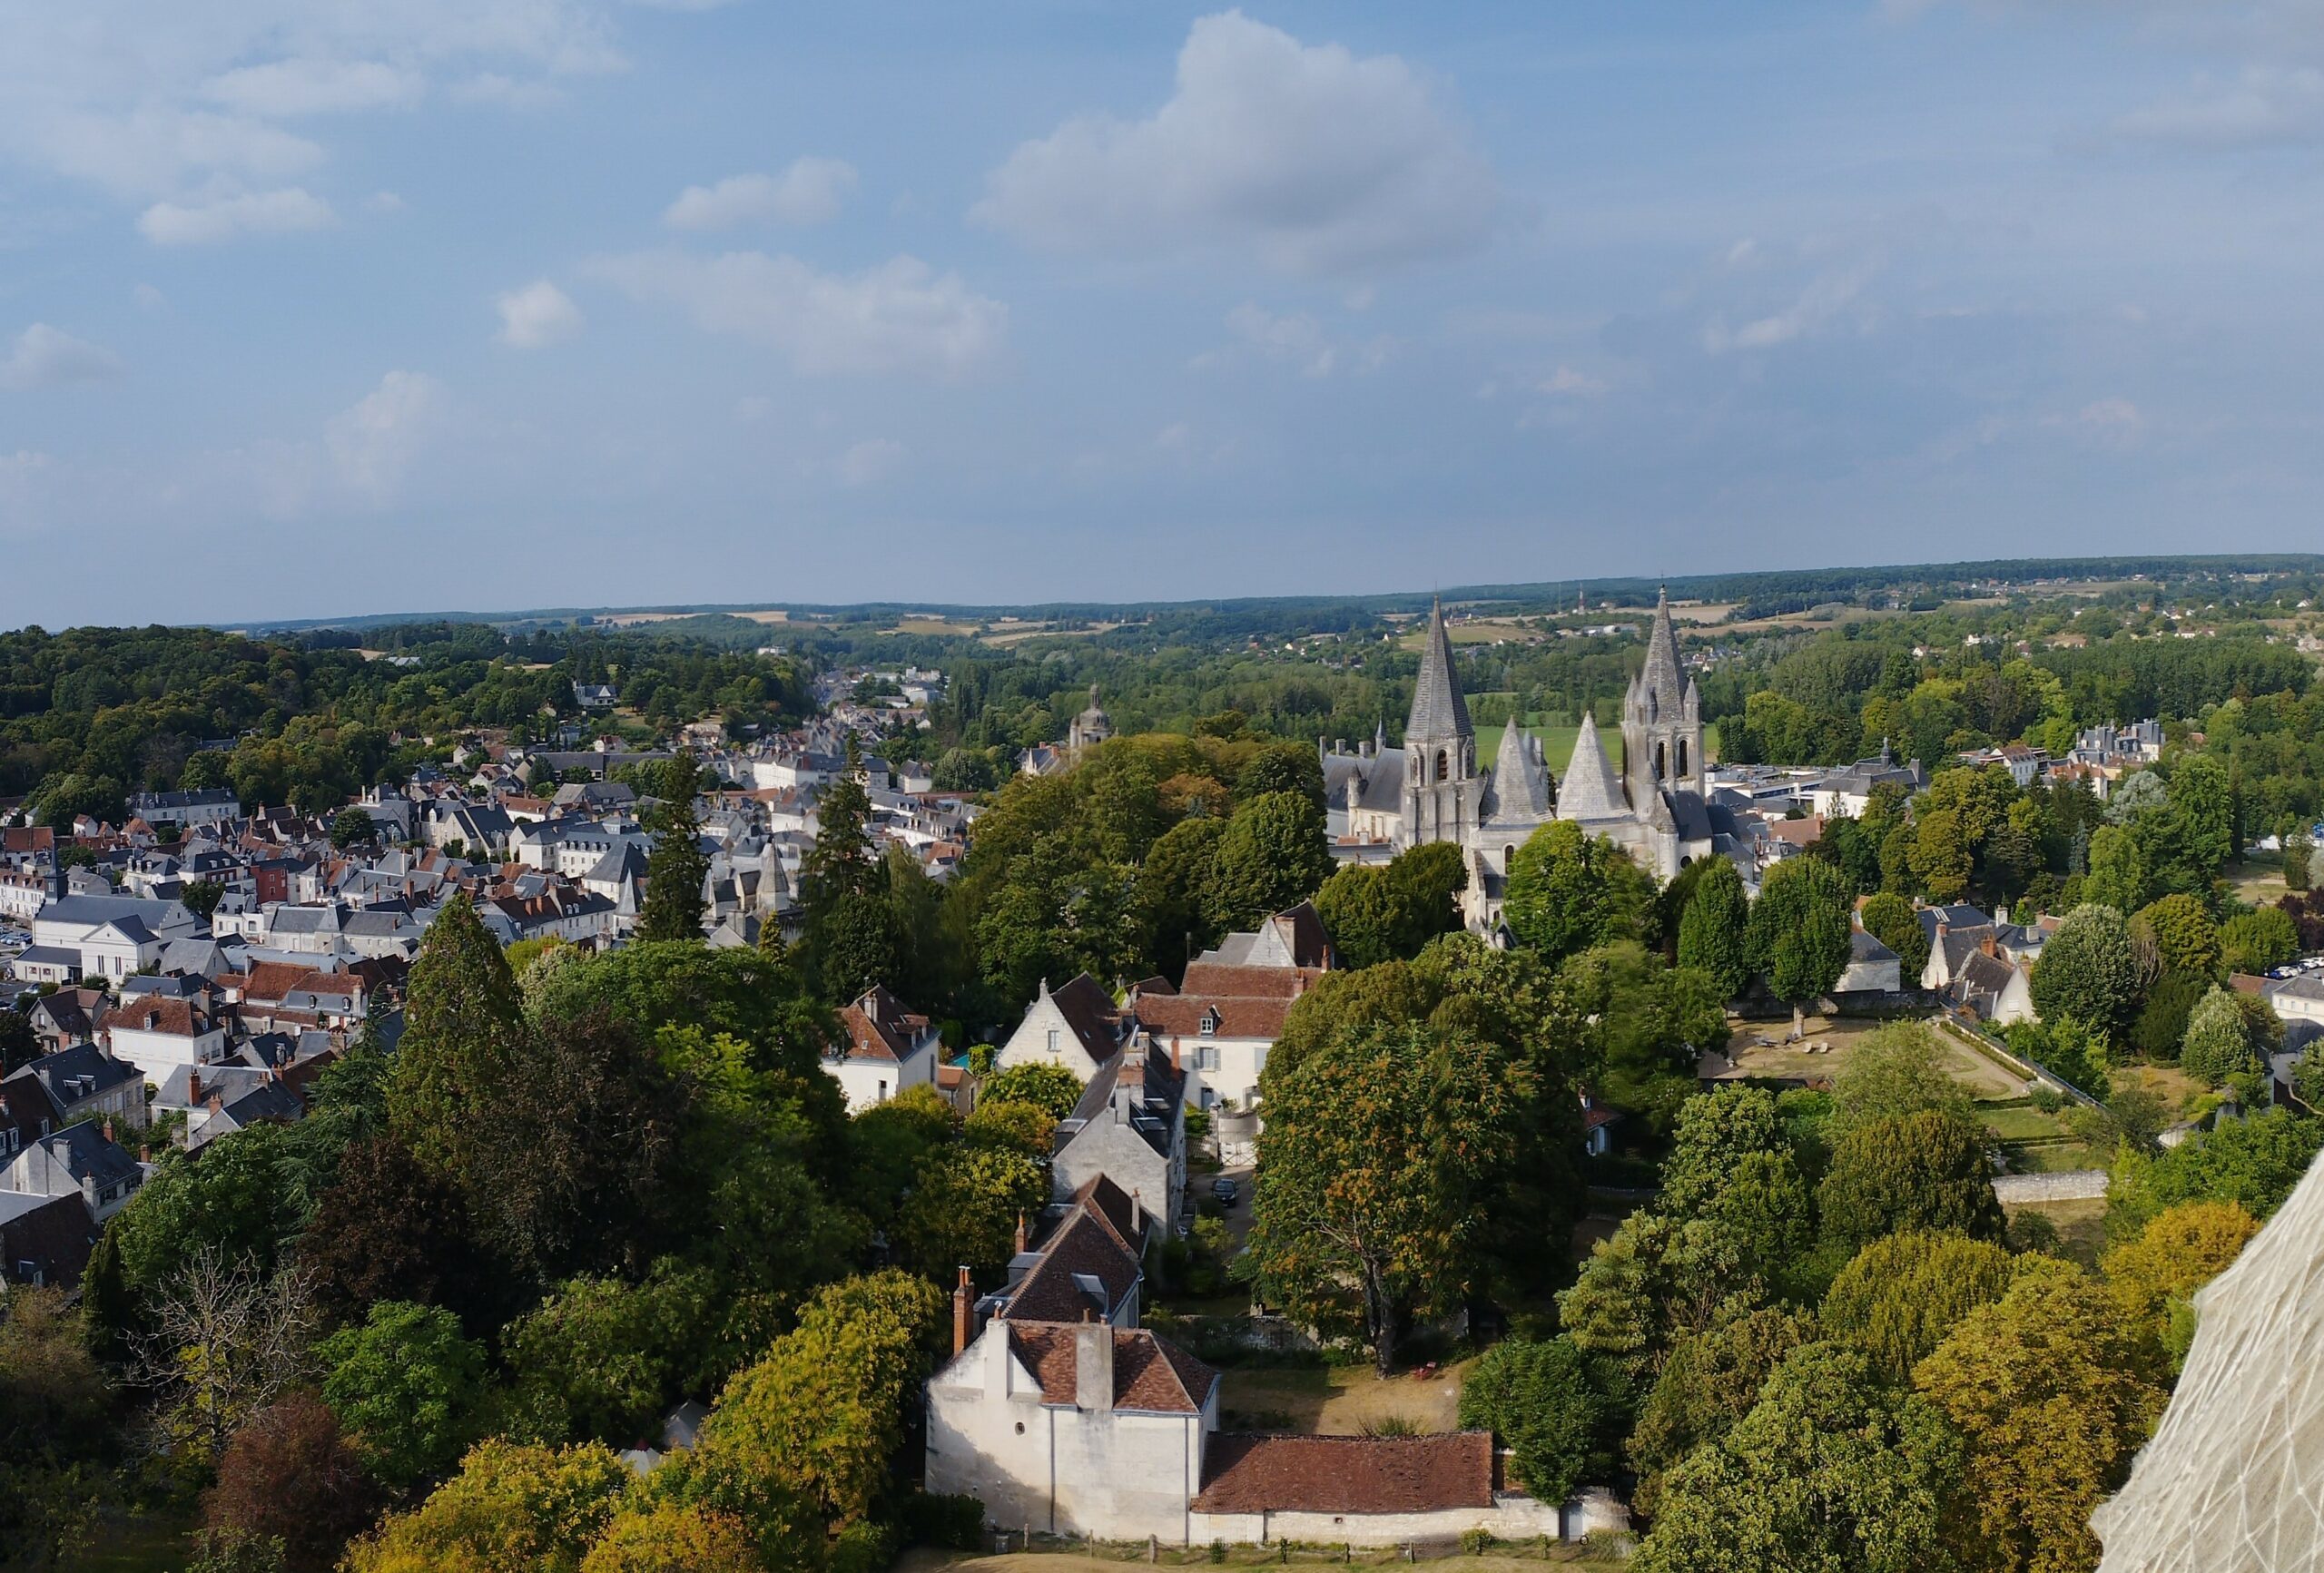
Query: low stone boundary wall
[{"x": 2069, "y": 1185}]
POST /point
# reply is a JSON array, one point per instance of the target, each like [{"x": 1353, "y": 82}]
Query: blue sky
[{"x": 420, "y": 304}]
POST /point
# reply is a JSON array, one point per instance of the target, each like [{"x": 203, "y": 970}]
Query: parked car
[{"x": 1225, "y": 1191}]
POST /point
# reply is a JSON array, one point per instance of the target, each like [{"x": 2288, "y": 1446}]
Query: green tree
[
  {"x": 1384, "y": 1151},
  {"x": 1890, "y": 919},
  {"x": 1540, "y": 1399},
  {"x": 2088, "y": 971},
  {"x": 2153, "y": 1276},
  {"x": 597, "y": 1360},
  {"x": 1361, "y": 914},
  {"x": 2253, "y": 1162},
  {"x": 856, "y": 945},
  {"x": 675, "y": 1538},
  {"x": 1172, "y": 889},
  {"x": 1709, "y": 1383},
  {"x": 350, "y": 827},
  {"x": 1731, "y": 1164},
  {"x": 512, "y": 1508},
  {"x": 1919, "y": 1171},
  {"x": 1894, "y": 1070},
  {"x": 1714, "y": 934},
  {"x": 2043, "y": 1388},
  {"x": 2184, "y": 935},
  {"x": 823, "y": 1411},
  {"x": 1052, "y": 1089},
  {"x": 405, "y": 1386},
  {"x": 1899, "y": 1296},
  {"x": 2258, "y": 940},
  {"x": 677, "y": 869},
  {"x": 1282, "y": 767},
  {"x": 1568, "y": 891},
  {"x": 2217, "y": 1044},
  {"x": 1799, "y": 932},
  {"x": 463, "y": 1029},
  {"x": 2202, "y": 802},
  {"x": 841, "y": 862},
  {"x": 1272, "y": 857},
  {"x": 1941, "y": 854},
  {"x": 1633, "y": 1030},
  {"x": 1829, "y": 1470},
  {"x": 1427, "y": 881},
  {"x": 2118, "y": 876},
  {"x": 963, "y": 1208}
]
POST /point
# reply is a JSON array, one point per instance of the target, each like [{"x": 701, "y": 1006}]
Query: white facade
[
  {"x": 868, "y": 1083},
  {"x": 1080, "y": 1468},
  {"x": 155, "y": 1053}
]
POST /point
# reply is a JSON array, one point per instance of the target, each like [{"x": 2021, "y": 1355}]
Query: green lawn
[
  {"x": 2024, "y": 1124},
  {"x": 141, "y": 1546}
]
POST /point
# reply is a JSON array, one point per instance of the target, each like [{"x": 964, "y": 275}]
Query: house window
[
  {"x": 1206, "y": 1059},
  {"x": 883, "y": 1094},
  {"x": 1210, "y": 1021},
  {"x": 1052, "y": 1040}
]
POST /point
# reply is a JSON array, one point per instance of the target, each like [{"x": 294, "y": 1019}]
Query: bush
[
  {"x": 2046, "y": 1098},
  {"x": 1476, "y": 1542},
  {"x": 949, "y": 1523}
]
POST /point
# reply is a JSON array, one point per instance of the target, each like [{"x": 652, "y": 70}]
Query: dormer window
[{"x": 1210, "y": 1021}]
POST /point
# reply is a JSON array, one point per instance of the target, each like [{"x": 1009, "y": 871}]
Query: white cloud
[
  {"x": 873, "y": 459},
  {"x": 808, "y": 193},
  {"x": 1297, "y": 337},
  {"x": 373, "y": 443},
  {"x": 149, "y": 299},
  {"x": 1320, "y": 162},
  {"x": 537, "y": 316},
  {"x": 1827, "y": 299},
  {"x": 279, "y": 89},
  {"x": 188, "y": 105},
  {"x": 45, "y": 356},
  {"x": 385, "y": 202},
  {"x": 1568, "y": 383},
  {"x": 275, "y": 213},
  {"x": 2266, "y": 104},
  {"x": 902, "y": 316}
]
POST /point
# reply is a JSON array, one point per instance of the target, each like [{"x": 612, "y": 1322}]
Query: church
[{"x": 1431, "y": 789}]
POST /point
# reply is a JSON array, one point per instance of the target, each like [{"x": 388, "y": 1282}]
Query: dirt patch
[
  {"x": 2173, "y": 1088},
  {"x": 1340, "y": 1401},
  {"x": 1819, "y": 1055}
]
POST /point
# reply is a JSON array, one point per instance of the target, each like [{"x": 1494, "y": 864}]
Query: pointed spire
[
  {"x": 1520, "y": 788},
  {"x": 1439, "y": 713},
  {"x": 1589, "y": 790},
  {"x": 1664, "y": 676}
]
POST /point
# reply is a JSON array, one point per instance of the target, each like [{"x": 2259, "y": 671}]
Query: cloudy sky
[{"x": 423, "y": 304}]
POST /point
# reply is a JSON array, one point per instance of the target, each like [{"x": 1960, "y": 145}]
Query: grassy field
[
  {"x": 2256, "y": 880},
  {"x": 2172, "y": 1088},
  {"x": 141, "y": 1546},
  {"x": 1339, "y": 1399}
]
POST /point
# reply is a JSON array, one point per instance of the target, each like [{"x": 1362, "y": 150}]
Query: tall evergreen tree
[
  {"x": 677, "y": 869},
  {"x": 463, "y": 1027},
  {"x": 1800, "y": 932}
]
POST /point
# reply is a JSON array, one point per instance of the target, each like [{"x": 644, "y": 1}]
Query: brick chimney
[
  {"x": 193, "y": 1087},
  {"x": 1175, "y": 1066},
  {"x": 1093, "y": 1363},
  {"x": 963, "y": 1310}
]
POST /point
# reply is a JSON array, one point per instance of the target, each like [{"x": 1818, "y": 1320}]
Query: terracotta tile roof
[
  {"x": 1246, "y": 982},
  {"x": 1181, "y": 1015},
  {"x": 1150, "y": 1373},
  {"x": 1085, "y": 1249},
  {"x": 149, "y": 1013},
  {"x": 1251, "y": 1474},
  {"x": 878, "y": 1025}
]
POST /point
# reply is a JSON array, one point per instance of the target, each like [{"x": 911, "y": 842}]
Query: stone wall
[
  {"x": 1512, "y": 1517},
  {"x": 2072, "y": 1186}
]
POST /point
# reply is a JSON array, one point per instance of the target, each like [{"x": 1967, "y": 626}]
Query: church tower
[
  {"x": 1442, "y": 789},
  {"x": 1662, "y": 725}
]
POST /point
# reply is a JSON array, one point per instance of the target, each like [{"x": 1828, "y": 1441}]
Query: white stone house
[
  {"x": 1129, "y": 1129},
  {"x": 81, "y": 1160},
  {"x": 156, "y": 1034},
  {"x": 884, "y": 1049},
  {"x": 1077, "y": 1026}
]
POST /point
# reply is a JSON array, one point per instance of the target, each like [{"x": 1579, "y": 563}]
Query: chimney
[
  {"x": 1021, "y": 1243},
  {"x": 963, "y": 1304},
  {"x": 217, "y": 1103},
  {"x": 108, "y": 1127},
  {"x": 1093, "y": 1363},
  {"x": 1137, "y": 1217},
  {"x": 1175, "y": 1066},
  {"x": 194, "y": 1086}
]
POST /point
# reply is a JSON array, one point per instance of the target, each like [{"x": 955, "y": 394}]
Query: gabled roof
[
  {"x": 1150, "y": 1373},
  {"x": 877, "y": 1026},
  {"x": 1321, "y": 1474},
  {"x": 1089, "y": 1010},
  {"x": 1439, "y": 713},
  {"x": 1084, "y": 1267}
]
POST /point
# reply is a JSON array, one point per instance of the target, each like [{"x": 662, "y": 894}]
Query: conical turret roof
[
  {"x": 1520, "y": 784},
  {"x": 1591, "y": 790},
  {"x": 1438, "y": 709}
]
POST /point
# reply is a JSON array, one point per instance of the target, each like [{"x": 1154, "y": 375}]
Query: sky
[{"x": 409, "y": 305}]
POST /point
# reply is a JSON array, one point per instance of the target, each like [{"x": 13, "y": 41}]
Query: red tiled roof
[
  {"x": 1251, "y": 1474},
  {"x": 1181, "y": 1015},
  {"x": 1150, "y": 1373}
]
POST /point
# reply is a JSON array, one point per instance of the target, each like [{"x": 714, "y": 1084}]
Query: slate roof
[
  {"x": 53, "y": 1234},
  {"x": 1252, "y": 1474},
  {"x": 1089, "y": 1010},
  {"x": 1438, "y": 709},
  {"x": 1591, "y": 790}
]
